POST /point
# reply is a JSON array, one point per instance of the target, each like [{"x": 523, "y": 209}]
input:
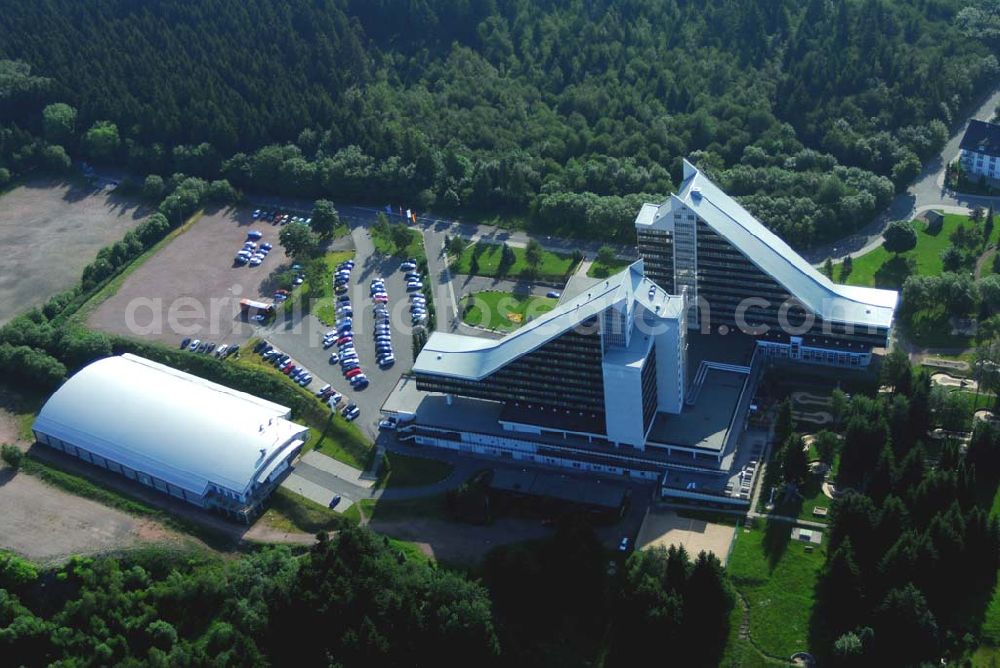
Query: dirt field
[
  {"x": 192, "y": 287},
  {"x": 666, "y": 528},
  {"x": 46, "y": 524},
  {"x": 8, "y": 427},
  {"x": 50, "y": 230}
]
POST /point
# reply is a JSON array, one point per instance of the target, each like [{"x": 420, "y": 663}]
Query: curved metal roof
[{"x": 178, "y": 427}]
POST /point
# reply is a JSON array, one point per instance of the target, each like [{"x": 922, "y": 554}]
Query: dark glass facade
[
  {"x": 725, "y": 278},
  {"x": 565, "y": 373},
  {"x": 649, "y": 397},
  {"x": 656, "y": 248}
]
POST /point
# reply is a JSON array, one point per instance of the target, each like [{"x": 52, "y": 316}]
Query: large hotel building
[{"x": 649, "y": 373}]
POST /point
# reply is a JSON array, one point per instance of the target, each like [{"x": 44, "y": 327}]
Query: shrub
[{"x": 12, "y": 455}]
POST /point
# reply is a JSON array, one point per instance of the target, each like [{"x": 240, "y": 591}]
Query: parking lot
[
  {"x": 193, "y": 287},
  {"x": 302, "y": 337},
  {"x": 50, "y": 230}
]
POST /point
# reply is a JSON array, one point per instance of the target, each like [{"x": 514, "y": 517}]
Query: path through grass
[{"x": 778, "y": 578}]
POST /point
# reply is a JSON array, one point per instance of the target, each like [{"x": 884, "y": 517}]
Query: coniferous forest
[{"x": 565, "y": 114}]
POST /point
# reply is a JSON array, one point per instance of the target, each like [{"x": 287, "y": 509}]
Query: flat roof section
[
  {"x": 732, "y": 348},
  {"x": 533, "y": 482},
  {"x": 705, "y": 424}
]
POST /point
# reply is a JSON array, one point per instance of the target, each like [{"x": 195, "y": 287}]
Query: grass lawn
[
  {"x": 407, "y": 471},
  {"x": 778, "y": 579},
  {"x": 927, "y": 255},
  {"x": 740, "y": 653},
  {"x": 502, "y": 311},
  {"x": 554, "y": 266},
  {"x": 386, "y": 246},
  {"x": 812, "y": 497},
  {"x": 322, "y": 295},
  {"x": 291, "y": 512},
  {"x": 599, "y": 270},
  {"x": 426, "y": 507}
]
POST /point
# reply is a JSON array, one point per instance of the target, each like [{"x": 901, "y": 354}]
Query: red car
[
  {"x": 288, "y": 369},
  {"x": 352, "y": 373},
  {"x": 381, "y": 300},
  {"x": 344, "y": 339}
]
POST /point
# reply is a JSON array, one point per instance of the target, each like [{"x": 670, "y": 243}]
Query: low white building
[
  {"x": 193, "y": 439},
  {"x": 980, "y": 151}
]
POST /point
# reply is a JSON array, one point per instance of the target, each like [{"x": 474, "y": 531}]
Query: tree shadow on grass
[
  {"x": 821, "y": 635},
  {"x": 894, "y": 272},
  {"x": 777, "y": 535}
]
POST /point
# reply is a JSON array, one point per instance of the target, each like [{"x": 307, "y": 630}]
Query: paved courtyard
[{"x": 665, "y": 528}]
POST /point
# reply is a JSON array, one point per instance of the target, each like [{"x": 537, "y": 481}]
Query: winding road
[{"x": 927, "y": 192}]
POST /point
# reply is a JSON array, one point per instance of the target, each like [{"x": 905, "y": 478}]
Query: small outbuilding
[{"x": 193, "y": 439}]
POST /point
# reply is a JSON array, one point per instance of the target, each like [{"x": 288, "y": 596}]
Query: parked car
[
  {"x": 552, "y": 294},
  {"x": 408, "y": 266},
  {"x": 386, "y": 362},
  {"x": 351, "y": 412},
  {"x": 334, "y": 358},
  {"x": 321, "y": 391},
  {"x": 221, "y": 350},
  {"x": 623, "y": 544},
  {"x": 359, "y": 382},
  {"x": 201, "y": 347},
  {"x": 256, "y": 214},
  {"x": 185, "y": 343},
  {"x": 254, "y": 234},
  {"x": 334, "y": 501}
]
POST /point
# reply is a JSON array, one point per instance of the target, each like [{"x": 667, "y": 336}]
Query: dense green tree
[
  {"x": 899, "y": 237},
  {"x": 794, "y": 463},
  {"x": 905, "y": 629},
  {"x": 59, "y": 123},
  {"x": 153, "y": 187},
  {"x": 298, "y": 241},
  {"x": 12, "y": 455},
  {"x": 54, "y": 159},
  {"x": 533, "y": 255},
  {"x": 101, "y": 141},
  {"x": 325, "y": 219},
  {"x": 606, "y": 255}
]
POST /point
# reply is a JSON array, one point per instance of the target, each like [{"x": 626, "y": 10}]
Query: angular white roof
[
  {"x": 473, "y": 357},
  {"x": 178, "y": 427},
  {"x": 832, "y": 301}
]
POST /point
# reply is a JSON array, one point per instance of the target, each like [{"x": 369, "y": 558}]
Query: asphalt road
[
  {"x": 301, "y": 336},
  {"x": 926, "y": 192}
]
